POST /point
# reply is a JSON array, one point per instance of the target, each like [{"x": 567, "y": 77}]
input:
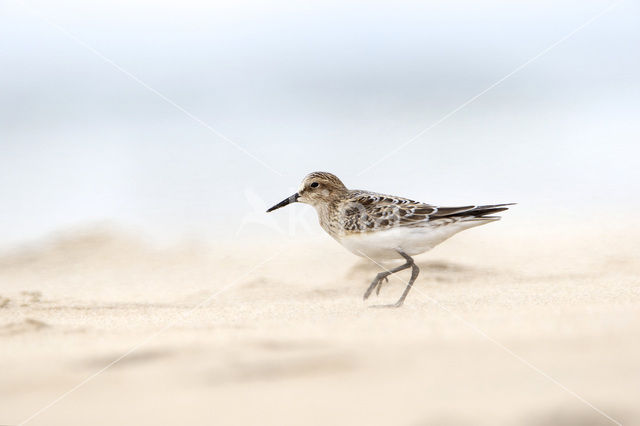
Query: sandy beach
[
  {"x": 507, "y": 324},
  {"x": 142, "y": 281}
]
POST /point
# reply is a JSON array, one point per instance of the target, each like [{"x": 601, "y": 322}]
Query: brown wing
[{"x": 366, "y": 211}]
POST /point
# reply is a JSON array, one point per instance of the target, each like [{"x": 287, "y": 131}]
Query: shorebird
[{"x": 384, "y": 227}]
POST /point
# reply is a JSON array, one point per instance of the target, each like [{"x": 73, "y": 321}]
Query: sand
[{"x": 513, "y": 323}]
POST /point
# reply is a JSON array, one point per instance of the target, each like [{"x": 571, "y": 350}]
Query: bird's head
[{"x": 316, "y": 188}]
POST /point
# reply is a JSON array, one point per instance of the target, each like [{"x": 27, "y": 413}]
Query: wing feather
[{"x": 368, "y": 211}]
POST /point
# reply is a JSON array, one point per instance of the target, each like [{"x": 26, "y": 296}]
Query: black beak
[{"x": 284, "y": 202}]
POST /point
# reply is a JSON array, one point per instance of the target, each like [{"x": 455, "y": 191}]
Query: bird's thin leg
[
  {"x": 414, "y": 274},
  {"x": 379, "y": 287},
  {"x": 377, "y": 281}
]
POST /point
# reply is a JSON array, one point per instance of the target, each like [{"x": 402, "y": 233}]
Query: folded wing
[{"x": 368, "y": 211}]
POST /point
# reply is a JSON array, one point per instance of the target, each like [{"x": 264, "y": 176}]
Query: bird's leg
[
  {"x": 379, "y": 286},
  {"x": 414, "y": 274},
  {"x": 377, "y": 281}
]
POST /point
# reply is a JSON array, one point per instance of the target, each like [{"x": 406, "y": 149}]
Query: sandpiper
[{"x": 384, "y": 227}]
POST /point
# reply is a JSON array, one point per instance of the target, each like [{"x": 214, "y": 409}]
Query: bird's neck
[{"x": 327, "y": 216}]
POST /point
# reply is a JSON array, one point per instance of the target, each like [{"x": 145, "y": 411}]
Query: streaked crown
[
  {"x": 320, "y": 187},
  {"x": 323, "y": 177}
]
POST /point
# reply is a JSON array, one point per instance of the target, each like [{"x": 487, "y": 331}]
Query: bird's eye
[{"x": 314, "y": 184}]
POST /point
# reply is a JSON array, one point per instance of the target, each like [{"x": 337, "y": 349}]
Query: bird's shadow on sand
[
  {"x": 441, "y": 268},
  {"x": 133, "y": 359}
]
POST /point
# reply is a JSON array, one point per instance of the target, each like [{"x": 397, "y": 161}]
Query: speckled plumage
[
  {"x": 383, "y": 227},
  {"x": 363, "y": 211}
]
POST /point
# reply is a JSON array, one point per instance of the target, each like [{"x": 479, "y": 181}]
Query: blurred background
[
  {"x": 142, "y": 141},
  {"x": 332, "y": 86}
]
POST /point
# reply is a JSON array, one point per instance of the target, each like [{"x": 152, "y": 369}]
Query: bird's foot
[
  {"x": 375, "y": 285},
  {"x": 379, "y": 286},
  {"x": 391, "y": 305}
]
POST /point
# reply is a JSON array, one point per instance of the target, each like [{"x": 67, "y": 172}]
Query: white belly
[{"x": 385, "y": 244}]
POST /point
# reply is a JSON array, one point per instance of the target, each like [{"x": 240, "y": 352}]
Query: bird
[{"x": 383, "y": 227}]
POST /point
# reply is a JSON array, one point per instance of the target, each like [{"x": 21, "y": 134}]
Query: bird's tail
[{"x": 485, "y": 212}]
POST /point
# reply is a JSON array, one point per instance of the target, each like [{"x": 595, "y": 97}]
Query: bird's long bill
[{"x": 284, "y": 202}]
